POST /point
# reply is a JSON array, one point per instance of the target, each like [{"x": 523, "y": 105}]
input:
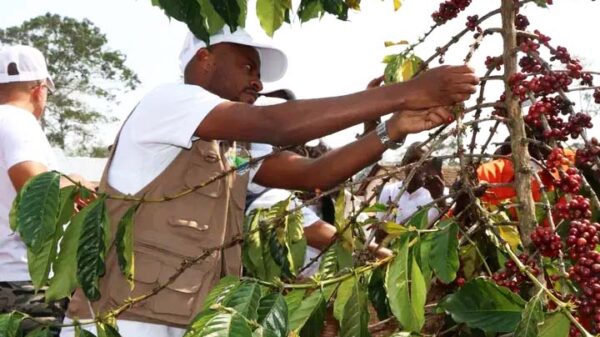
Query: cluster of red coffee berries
[
  {"x": 511, "y": 277},
  {"x": 597, "y": 96},
  {"x": 541, "y": 85},
  {"x": 494, "y": 62},
  {"x": 586, "y": 272},
  {"x": 589, "y": 154},
  {"x": 449, "y": 10},
  {"x": 578, "y": 208},
  {"x": 521, "y": 22},
  {"x": 570, "y": 181},
  {"x": 546, "y": 241},
  {"x": 577, "y": 123},
  {"x": 583, "y": 238},
  {"x": 557, "y": 159},
  {"x": 472, "y": 23},
  {"x": 548, "y": 107},
  {"x": 529, "y": 64}
]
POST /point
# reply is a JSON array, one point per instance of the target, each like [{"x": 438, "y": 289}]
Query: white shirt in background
[
  {"x": 21, "y": 139},
  {"x": 275, "y": 195},
  {"x": 408, "y": 203}
]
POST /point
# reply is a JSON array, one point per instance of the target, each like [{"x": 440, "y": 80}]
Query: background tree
[{"x": 87, "y": 75}]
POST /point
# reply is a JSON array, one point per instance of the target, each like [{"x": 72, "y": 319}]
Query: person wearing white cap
[
  {"x": 24, "y": 153},
  {"x": 180, "y": 135}
]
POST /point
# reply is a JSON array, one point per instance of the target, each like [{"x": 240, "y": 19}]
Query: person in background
[
  {"x": 316, "y": 219},
  {"x": 24, "y": 153},
  {"x": 426, "y": 186}
]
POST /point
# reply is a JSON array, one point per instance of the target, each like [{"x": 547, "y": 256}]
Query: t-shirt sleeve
[
  {"x": 258, "y": 150},
  {"x": 309, "y": 217},
  {"x": 23, "y": 140},
  {"x": 389, "y": 192},
  {"x": 170, "y": 114}
]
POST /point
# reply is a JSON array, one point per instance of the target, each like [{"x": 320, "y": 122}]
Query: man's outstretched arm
[
  {"x": 288, "y": 170},
  {"x": 302, "y": 120}
]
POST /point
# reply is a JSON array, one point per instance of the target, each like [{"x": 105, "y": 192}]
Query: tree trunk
[{"x": 520, "y": 152}]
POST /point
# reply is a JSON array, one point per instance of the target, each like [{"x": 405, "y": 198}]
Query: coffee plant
[{"x": 526, "y": 265}]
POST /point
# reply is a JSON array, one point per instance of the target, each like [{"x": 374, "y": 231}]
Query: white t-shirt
[
  {"x": 408, "y": 203},
  {"x": 160, "y": 127},
  {"x": 275, "y": 195},
  {"x": 21, "y": 139}
]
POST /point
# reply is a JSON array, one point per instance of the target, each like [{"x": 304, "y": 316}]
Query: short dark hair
[{"x": 12, "y": 87}]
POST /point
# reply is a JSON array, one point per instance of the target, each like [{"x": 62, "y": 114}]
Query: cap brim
[
  {"x": 273, "y": 63},
  {"x": 50, "y": 84}
]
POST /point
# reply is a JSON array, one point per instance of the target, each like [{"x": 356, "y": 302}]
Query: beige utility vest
[{"x": 166, "y": 233}]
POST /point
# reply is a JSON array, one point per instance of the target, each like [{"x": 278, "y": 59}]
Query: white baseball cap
[
  {"x": 29, "y": 65},
  {"x": 273, "y": 61}
]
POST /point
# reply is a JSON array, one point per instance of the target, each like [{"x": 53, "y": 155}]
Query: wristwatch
[{"x": 382, "y": 132}]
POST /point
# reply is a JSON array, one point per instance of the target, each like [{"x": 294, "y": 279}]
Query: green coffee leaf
[
  {"x": 222, "y": 324},
  {"x": 555, "y": 325},
  {"x": 355, "y": 321},
  {"x": 406, "y": 288},
  {"x": 39, "y": 332},
  {"x": 310, "y": 9},
  {"x": 106, "y": 330},
  {"x": 344, "y": 293},
  {"x": 293, "y": 300},
  {"x": 245, "y": 299},
  {"x": 271, "y": 14},
  {"x": 533, "y": 315},
  {"x": 377, "y": 294},
  {"x": 38, "y": 210},
  {"x": 214, "y": 21},
  {"x": 220, "y": 292},
  {"x": 273, "y": 314},
  {"x": 124, "y": 245},
  {"x": 484, "y": 305},
  {"x": 229, "y": 10},
  {"x": 64, "y": 280},
  {"x": 313, "y": 305},
  {"x": 92, "y": 249},
  {"x": 10, "y": 324},
  {"x": 443, "y": 258}
]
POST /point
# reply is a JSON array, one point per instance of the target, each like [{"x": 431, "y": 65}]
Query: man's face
[{"x": 235, "y": 72}]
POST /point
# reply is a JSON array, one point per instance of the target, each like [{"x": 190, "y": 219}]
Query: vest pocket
[
  {"x": 181, "y": 299},
  {"x": 239, "y": 190},
  {"x": 203, "y": 168}
]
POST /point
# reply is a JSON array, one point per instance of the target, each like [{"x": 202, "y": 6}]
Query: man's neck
[{"x": 19, "y": 102}]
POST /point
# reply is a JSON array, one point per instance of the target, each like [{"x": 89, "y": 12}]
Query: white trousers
[{"x": 129, "y": 329}]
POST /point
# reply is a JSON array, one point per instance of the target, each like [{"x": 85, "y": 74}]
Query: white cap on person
[
  {"x": 23, "y": 64},
  {"x": 273, "y": 61}
]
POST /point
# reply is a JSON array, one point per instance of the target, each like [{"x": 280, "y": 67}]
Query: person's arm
[
  {"x": 20, "y": 173},
  {"x": 291, "y": 171},
  {"x": 369, "y": 126},
  {"x": 319, "y": 236},
  {"x": 302, "y": 120}
]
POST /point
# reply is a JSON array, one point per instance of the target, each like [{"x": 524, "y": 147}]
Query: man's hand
[
  {"x": 404, "y": 122},
  {"x": 376, "y": 82},
  {"x": 81, "y": 181},
  {"x": 442, "y": 86}
]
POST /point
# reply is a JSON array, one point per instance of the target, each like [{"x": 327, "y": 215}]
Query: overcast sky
[{"x": 325, "y": 58}]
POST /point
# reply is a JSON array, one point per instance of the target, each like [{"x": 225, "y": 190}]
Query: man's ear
[
  {"x": 203, "y": 57},
  {"x": 36, "y": 93}
]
